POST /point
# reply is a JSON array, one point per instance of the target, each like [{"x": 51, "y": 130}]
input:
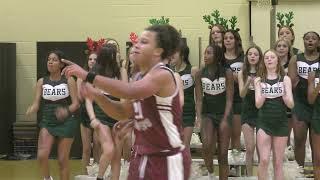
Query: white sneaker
[
  {"x": 195, "y": 139},
  {"x": 289, "y": 152},
  {"x": 233, "y": 172},
  {"x": 93, "y": 169},
  {"x": 50, "y": 178},
  {"x": 211, "y": 176},
  {"x": 109, "y": 176}
]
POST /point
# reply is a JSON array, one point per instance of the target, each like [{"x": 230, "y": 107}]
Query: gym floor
[{"x": 29, "y": 169}]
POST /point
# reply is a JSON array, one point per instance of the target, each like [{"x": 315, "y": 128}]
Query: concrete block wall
[{"x": 27, "y": 22}]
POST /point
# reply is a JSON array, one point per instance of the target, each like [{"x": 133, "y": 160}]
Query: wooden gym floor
[{"x": 29, "y": 169}]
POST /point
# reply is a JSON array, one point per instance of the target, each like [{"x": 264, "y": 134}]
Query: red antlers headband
[{"x": 95, "y": 46}]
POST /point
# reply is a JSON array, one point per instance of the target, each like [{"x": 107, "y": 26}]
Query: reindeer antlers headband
[
  {"x": 159, "y": 21},
  {"x": 285, "y": 19},
  {"x": 95, "y": 46},
  {"x": 218, "y": 19}
]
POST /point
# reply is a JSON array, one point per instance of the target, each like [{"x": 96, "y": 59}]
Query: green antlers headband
[
  {"x": 215, "y": 18},
  {"x": 285, "y": 19},
  {"x": 159, "y": 21}
]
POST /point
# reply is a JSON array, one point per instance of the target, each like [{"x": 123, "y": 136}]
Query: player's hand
[
  {"x": 73, "y": 69},
  {"x": 61, "y": 113},
  {"x": 88, "y": 91}
]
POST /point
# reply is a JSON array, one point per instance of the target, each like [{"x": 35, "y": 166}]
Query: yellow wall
[
  {"x": 306, "y": 18},
  {"x": 306, "y": 13},
  {"x": 26, "y": 22}
]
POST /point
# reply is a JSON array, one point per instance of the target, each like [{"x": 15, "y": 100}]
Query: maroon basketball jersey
[{"x": 157, "y": 125}]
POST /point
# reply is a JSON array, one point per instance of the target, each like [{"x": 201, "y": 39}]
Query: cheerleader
[
  {"x": 299, "y": 68},
  {"x": 234, "y": 56},
  {"x": 121, "y": 62},
  {"x": 273, "y": 94},
  {"x": 284, "y": 49},
  {"x": 216, "y": 35},
  {"x": 107, "y": 66},
  {"x": 85, "y": 128},
  {"x": 285, "y": 30},
  {"x": 249, "y": 113},
  {"x": 181, "y": 64},
  {"x": 287, "y": 33},
  {"x": 217, "y": 27},
  {"x": 214, "y": 92},
  {"x": 58, "y": 97},
  {"x": 314, "y": 98}
]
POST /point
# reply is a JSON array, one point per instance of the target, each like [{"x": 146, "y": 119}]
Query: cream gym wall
[{"x": 26, "y": 22}]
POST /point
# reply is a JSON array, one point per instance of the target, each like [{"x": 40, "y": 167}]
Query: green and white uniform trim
[
  {"x": 315, "y": 121},
  {"x": 236, "y": 66},
  {"x": 302, "y": 109},
  {"x": 56, "y": 94},
  {"x": 272, "y": 116},
  {"x": 249, "y": 112},
  {"x": 214, "y": 96}
]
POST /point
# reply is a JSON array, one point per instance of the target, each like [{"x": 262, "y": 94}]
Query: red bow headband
[{"x": 133, "y": 38}]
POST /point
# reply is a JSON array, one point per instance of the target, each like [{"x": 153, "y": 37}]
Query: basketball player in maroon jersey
[{"x": 153, "y": 102}]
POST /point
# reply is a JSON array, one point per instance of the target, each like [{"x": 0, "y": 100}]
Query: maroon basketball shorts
[{"x": 160, "y": 167}]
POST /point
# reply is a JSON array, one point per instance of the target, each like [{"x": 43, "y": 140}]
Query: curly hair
[
  {"x": 167, "y": 38},
  {"x": 60, "y": 54}
]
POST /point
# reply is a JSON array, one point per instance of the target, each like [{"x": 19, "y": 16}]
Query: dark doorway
[{"x": 7, "y": 95}]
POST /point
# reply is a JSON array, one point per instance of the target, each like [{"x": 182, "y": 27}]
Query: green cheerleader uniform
[
  {"x": 100, "y": 115},
  {"x": 315, "y": 121},
  {"x": 302, "y": 109},
  {"x": 56, "y": 94},
  {"x": 103, "y": 117},
  {"x": 214, "y": 96},
  {"x": 189, "y": 113},
  {"x": 295, "y": 51},
  {"x": 84, "y": 118},
  {"x": 249, "y": 112},
  {"x": 236, "y": 66},
  {"x": 272, "y": 116}
]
